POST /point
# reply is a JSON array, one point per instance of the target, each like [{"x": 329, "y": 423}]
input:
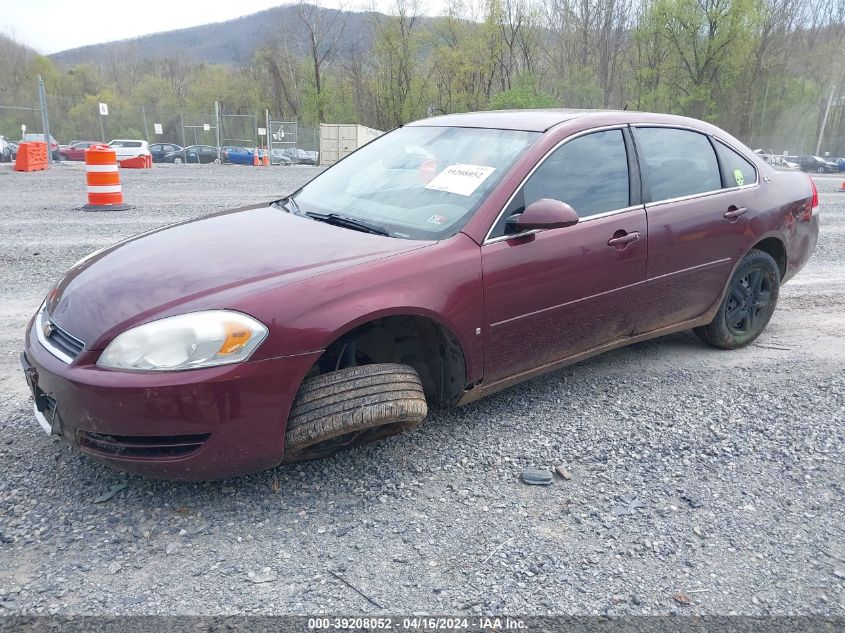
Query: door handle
[
  {"x": 623, "y": 239},
  {"x": 734, "y": 212}
]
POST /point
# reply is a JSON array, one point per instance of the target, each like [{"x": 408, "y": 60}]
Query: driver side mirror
[{"x": 544, "y": 214}]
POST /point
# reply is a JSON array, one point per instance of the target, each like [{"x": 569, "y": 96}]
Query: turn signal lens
[{"x": 237, "y": 337}]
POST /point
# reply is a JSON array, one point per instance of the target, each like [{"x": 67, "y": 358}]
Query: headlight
[{"x": 187, "y": 341}]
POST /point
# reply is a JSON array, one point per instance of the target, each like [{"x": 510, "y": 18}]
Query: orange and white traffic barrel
[{"x": 104, "y": 192}]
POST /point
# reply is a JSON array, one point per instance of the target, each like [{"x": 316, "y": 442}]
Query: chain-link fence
[
  {"x": 16, "y": 120},
  {"x": 80, "y": 117},
  {"x": 83, "y": 117}
]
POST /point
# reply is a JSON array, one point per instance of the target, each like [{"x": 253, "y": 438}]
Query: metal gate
[{"x": 283, "y": 139}]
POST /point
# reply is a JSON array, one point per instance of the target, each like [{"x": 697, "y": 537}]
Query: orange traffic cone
[
  {"x": 255, "y": 161},
  {"x": 104, "y": 192},
  {"x": 266, "y": 158}
]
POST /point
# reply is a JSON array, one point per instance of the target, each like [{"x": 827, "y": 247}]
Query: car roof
[{"x": 542, "y": 120}]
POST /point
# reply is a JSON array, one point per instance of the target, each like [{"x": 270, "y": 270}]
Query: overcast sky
[{"x": 49, "y": 26}]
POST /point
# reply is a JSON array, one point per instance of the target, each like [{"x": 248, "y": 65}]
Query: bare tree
[{"x": 325, "y": 28}]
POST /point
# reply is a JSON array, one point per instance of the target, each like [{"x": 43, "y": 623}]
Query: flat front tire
[
  {"x": 352, "y": 406},
  {"x": 748, "y": 304}
]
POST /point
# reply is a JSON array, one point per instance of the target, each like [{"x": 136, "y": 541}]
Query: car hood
[{"x": 208, "y": 263}]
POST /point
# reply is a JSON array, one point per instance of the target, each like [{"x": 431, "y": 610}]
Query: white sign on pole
[
  {"x": 104, "y": 109},
  {"x": 158, "y": 128},
  {"x": 206, "y": 127},
  {"x": 23, "y": 128},
  {"x": 262, "y": 131}
]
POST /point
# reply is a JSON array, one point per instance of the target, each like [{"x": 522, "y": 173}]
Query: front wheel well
[
  {"x": 774, "y": 247},
  {"x": 427, "y": 346}
]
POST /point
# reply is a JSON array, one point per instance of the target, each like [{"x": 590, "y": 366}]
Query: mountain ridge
[{"x": 230, "y": 41}]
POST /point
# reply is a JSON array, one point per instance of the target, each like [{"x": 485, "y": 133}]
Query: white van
[{"x": 130, "y": 148}]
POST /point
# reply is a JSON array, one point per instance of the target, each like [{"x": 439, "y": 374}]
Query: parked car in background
[
  {"x": 39, "y": 138},
  {"x": 817, "y": 164},
  {"x": 236, "y": 155},
  {"x": 516, "y": 243},
  {"x": 193, "y": 154},
  {"x": 76, "y": 150},
  {"x": 160, "y": 150},
  {"x": 300, "y": 156},
  {"x": 5, "y": 151},
  {"x": 129, "y": 148},
  {"x": 14, "y": 146},
  {"x": 840, "y": 162},
  {"x": 278, "y": 157}
]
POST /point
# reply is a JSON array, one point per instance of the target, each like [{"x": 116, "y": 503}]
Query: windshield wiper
[
  {"x": 350, "y": 223},
  {"x": 290, "y": 204}
]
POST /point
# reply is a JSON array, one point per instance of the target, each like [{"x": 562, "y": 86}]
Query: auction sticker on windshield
[{"x": 460, "y": 179}]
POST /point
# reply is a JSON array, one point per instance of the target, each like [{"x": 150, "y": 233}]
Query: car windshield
[
  {"x": 125, "y": 144},
  {"x": 416, "y": 182}
]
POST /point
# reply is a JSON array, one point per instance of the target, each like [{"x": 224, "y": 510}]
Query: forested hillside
[{"x": 763, "y": 69}]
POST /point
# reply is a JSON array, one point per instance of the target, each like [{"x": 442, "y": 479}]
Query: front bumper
[{"x": 200, "y": 424}]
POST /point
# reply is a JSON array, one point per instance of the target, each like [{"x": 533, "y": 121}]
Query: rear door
[
  {"x": 699, "y": 198},
  {"x": 552, "y": 294}
]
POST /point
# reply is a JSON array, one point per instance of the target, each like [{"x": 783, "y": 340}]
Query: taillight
[
  {"x": 810, "y": 209},
  {"x": 815, "y": 202}
]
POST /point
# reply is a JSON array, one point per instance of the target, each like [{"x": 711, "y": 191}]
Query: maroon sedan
[
  {"x": 76, "y": 150},
  {"x": 443, "y": 261}
]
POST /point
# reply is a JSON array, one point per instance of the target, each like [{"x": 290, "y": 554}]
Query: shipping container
[{"x": 340, "y": 140}]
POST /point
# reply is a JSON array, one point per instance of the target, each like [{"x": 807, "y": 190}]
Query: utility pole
[
  {"x": 146, "y": 129},
  {"x": 45, "y": 119},
  {"x": 269, "y": 138},
  {"x": 217, "y": 125},
  {"x": 824, "y": 119}
]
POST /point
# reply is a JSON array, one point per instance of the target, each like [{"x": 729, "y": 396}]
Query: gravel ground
[{"x": 715, "y": 475}]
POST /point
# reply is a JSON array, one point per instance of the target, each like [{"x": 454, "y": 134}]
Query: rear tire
[
  {"x": 352, "y": 406},
  {"x": 748, "y": 304}
]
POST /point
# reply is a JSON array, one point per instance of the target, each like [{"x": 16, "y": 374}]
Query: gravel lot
[{"x": 716, "y": 475}]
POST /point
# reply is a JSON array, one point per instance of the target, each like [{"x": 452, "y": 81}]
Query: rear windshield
[
  {"x": 125, "y": 144},
  {"x": 417, "y": 182}
]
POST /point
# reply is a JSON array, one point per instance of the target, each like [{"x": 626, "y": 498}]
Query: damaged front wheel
[{"x": 352, "y": 406}]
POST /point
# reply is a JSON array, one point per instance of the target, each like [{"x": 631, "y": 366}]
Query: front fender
[{"x": 442, "y": 283}]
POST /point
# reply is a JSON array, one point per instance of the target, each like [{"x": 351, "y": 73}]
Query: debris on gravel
[
  {"x": 563, "y": 472},
  {"x": 536, "y": 477}
]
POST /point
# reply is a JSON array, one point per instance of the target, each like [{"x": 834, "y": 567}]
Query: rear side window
[
  {"x": 679, "y": 162},
  {"x": 737, "y": 170}
]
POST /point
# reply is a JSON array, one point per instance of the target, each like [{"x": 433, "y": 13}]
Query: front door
[{"x": 552, "y": 294}]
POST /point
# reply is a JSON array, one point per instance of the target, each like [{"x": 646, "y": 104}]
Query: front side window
[
  {"x": 737, "y": 170},
  {"x": 589, "y": 173},
  {"x": 417, "y": 182},
  {"x": 679, "y": 162}
]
